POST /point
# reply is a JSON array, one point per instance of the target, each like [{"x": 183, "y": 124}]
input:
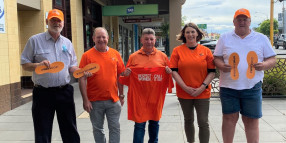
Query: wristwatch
[
  {"x": 205, "y": 85},
  {"x": 122, "y": 95}
]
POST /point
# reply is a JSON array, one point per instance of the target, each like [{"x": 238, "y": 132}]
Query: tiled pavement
[{"x": 16, "y": 125}]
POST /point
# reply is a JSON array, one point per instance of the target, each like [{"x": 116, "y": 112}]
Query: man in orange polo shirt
[
  {"x": 100, "y": 90},
  {"x": 149, "y": 71}
]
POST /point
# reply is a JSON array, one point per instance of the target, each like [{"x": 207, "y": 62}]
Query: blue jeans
[{"x": 139, "y": 132}]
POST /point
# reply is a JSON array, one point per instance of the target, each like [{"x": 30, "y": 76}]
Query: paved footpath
[{"x": 16, "y": 126}]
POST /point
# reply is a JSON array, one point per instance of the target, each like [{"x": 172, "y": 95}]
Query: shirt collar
[
  {"x": 107, "y": 48},
  {"x": 143, "y": 53},
  {"x": 49, "y": 36},
  {"x": 249, "y": 35}
]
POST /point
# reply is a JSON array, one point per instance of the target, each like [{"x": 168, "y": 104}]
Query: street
[{"x": 280, "y": 51}]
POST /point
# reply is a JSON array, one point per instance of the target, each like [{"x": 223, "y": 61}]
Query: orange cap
[
  {"x": 242, "y": 11},
  {"x": 56, "y": 13}
]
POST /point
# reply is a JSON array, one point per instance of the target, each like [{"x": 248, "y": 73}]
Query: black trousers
[{"x": 47, "y": 101}]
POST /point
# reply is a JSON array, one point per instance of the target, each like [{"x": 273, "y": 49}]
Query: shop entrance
[
  {"x": 64, "y": 6},
  {"x": 91, "y": 19}
]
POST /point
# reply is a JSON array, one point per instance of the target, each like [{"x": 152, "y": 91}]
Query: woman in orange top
[{"x": 193, "y": 70}]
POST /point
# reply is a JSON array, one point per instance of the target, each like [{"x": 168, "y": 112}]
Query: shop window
[
  {"x": 59, "y": 3},
  {"x": 64, "y": 6},
  {"x": 88, "y": 11},
  {"x": 91, "y": 19}
]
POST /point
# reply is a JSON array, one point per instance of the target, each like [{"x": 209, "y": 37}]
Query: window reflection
[{"x": 59, "y": 3}]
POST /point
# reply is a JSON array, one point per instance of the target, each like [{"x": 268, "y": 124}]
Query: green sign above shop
[
  {"x": 126, "y": 10},
  {"x": 202, "y": 26}
]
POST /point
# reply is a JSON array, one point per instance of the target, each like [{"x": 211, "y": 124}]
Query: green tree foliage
[
  {"x": 165, "y": 29},
  {"x": 165, "y": 32},
  {"x": 184, "y": 19},
  {"x": 264, "y": 27}
]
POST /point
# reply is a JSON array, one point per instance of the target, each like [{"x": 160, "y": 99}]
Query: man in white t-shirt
[{"x": 242, "y": 95}]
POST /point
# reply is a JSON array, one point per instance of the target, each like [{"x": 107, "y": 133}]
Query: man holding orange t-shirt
[{"x": 147, "y": 76}]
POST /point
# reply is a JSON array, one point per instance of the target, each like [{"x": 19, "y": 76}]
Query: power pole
[
  {"x": 283, "y": 31},
  {"x": 283, "y": 18},
  {"x": 271, "y": 21}
]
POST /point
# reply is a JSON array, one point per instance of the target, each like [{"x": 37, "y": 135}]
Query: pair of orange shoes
[
  {"x": 234, "y": 60},
  {"x": 58, "y": 66}
]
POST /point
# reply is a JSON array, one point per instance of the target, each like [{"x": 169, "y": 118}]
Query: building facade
[{"x": 20, "y": 19}]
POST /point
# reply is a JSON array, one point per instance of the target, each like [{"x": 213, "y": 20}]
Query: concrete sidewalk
[{"x": 16, "y": 126}]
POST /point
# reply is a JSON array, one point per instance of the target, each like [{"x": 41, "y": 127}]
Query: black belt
[{"x": 56, "y": 87}]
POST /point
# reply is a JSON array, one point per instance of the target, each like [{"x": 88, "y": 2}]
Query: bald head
[{"x": 101, "y": 29}]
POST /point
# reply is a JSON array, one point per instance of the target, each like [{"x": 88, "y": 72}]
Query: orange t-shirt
[
  {"x": 146, "y": 93},
  {"x": 102, "y": 85},
  {"x": 155, "y": 59},
  {"x": 144, "y": 102},
  {"x": 193, "y": 68}
]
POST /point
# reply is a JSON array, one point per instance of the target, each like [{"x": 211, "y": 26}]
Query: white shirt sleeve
[
  {"x": 267, "y": 48},
  {"x": 219, "y": 48}
]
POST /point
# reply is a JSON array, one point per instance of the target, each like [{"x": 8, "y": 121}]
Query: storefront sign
[
  {"x": 2, "y": 17},
  {"x": 127, "y": 10},
  {"x": 130, "y": 10},
  {"x": 137, "y": 20},
  {"x": 155, "y": 28}
]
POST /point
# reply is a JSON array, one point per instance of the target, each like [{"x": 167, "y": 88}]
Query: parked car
[
  {"x": 281, "y": 41},
  {"x": 211, "y": 45},
  {"x": 275, "y": 38},
  {"x": 207, "y": 40}
]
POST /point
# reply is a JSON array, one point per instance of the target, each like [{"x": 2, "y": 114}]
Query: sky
[{"x": 218, "y": 14}]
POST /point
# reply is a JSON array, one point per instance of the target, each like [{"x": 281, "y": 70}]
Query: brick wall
[
  {"x": 11, "y": 97},
  {"x": 5, "y": 98},
  {"x": 16, "y": 96}
]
